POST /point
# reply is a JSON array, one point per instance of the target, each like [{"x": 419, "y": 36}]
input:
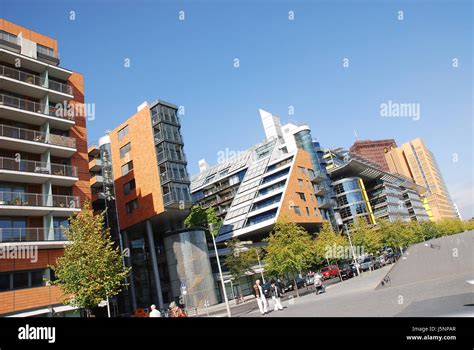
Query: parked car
[
  {"x": 300, "y": 282},
  {"x": 266, "y": 288},
  {"x": 347, "y": 272},
  {"x": 369, "y": 263},
  {"x": 329, "y": 272}
]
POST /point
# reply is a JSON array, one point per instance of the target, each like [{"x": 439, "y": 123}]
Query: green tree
[
  {"x": 365, "y": 236},
  {"x": 91, "y": 269},
  {"x": 290, "y": 249},
  {"x": 329, "y": 245},
  {"x": 239, "y": 261},
  {"x": 201, "y": 218}
]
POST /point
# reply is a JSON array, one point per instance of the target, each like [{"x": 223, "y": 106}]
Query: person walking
[
  {"x": 261, "y": 299},
  {"x": 276, "y": 293},
  {"x": 318, "y": 284},
  {"x": 154, "y": 312}
]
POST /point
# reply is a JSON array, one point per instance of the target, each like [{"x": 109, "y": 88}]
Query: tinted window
[
  {"x": 37, "y": 278},
  {"x": 4, "y": 281},
  {"x": 20, "y": 280}
]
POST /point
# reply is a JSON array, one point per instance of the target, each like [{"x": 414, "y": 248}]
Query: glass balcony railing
[
  {"x": 170, "y": 155},
  {"x": 161, "y": 117},
  {"x": 30, "y": 166},
  {"x": 38, "y": 200},
  {"x": 32, "y": 106},
  {"x": 31, "y": 234},
  {"x": 173, "y": 176},
  {"x": 21, "y": 76},
  {"x": 168, "y": 136},
  {"x": 176, "y": 197},
  {"x": 60, "y": 87},
  {"x": 37, "y": 136}
]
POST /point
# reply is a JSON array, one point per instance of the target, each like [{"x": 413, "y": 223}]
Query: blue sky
[{"x": 283, "y": 63}]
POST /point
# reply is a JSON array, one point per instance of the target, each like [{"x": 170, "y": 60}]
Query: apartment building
[
  {"x": 144, "y": 159},
  {"x": 414, "y": 160},
  {"x": 44, "y": 177}
]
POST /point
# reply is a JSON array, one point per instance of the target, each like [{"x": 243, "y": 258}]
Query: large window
[
  {"x": 131, "y": 206},
  {"x": 124, "y": 150},
  {"x": 122, "y": 132},
  {"x": 24, "y": 279},
  {"x": 126, "y": 168},
  {"x": 12, "y": 229}
]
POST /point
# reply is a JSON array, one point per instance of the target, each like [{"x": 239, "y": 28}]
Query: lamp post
[
  {"x": 211, "y": 231},
  {"x": 352, "y": 249}
]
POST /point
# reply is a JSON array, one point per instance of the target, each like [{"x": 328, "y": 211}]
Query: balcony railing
[
  {"x": 30, "y": 166},
  {"x": 21, "y": 76},
  {"x": 173, "y": 176},
  {"x": 167, "y": 136},
  {"x": 31, "y": 234},
  {"x": 170, "y": 155},
  {"x": 38, "y": 200},
  {"x": 174, "y": 197},
  {"x": 60, "y": 87},
  {"x": 37, "y": 136},
  {"x": 160, "y": 117},
  {"x": 32, "y": 106}
]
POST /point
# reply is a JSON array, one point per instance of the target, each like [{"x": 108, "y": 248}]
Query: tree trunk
[{"x": 296, "y": 287}]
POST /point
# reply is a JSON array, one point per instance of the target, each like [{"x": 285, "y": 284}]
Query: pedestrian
[
  {"x": 261, "y": 299},
  {"x": 154, "y": 312},
  {"x": 276, "y": 293},
  {"x": 176, "y": 311},
  {"x": 318, "y": 284}
]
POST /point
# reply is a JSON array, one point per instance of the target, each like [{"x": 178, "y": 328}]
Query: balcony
[
  {"x": 97, "y": 181},
  {"x": 47, "y": 55},
  {"x": 161, "y": 118},
  {"x": 38, "y": 142},
  {"x": 171, "y": 198},
  {"x": 161, "y": 136},
  {"x": 168, "y": 176},
  {"x": 13, "y": 170},
  {"x": 31, "y": 234},
  {"x": 37, "y": 204},
  {"x": 95, "y": 165},
  {"x": 168, "y": 155},
  {"x": 317, "y": 178},
  {"x": 30, "y": 112}
]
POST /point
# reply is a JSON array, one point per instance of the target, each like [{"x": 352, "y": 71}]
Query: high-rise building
[
  {"x": 373, "y": 150},
  {"x": 364, "y": 190},
  {"x": 44, "y": 176},
  {"x": 413, "y": 159},
  {"x": 151, "y": 192},
  {"x": 253, "y": 189}
]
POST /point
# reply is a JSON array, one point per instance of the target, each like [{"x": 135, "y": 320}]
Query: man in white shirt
[
  {"x": 261, "y": 299},
  {"x": 154, "y": 312}
]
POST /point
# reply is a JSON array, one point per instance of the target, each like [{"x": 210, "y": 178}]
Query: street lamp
[
  {"x": 211, "y": 231},
  {"x": 352, "y": 248}
]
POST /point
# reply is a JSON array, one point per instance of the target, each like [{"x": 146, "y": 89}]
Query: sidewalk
[{"x": 219, "y": 310}]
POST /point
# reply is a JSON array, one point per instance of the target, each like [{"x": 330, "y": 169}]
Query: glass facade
[{"x": 351, "y": 200}]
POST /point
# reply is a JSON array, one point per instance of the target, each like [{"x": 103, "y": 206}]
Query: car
[
  {"x": 369, "y": 263},
  {"x": 347, "y": 272},
  {"x": 300, "y": 282},
  {"x": 266, "y": 288},
  {"x": 329, "y": 272}
]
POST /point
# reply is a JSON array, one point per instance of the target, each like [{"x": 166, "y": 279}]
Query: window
[
  {"x": 4, "y": 281},
  {"x": 125, "y": 150},
  {"x": 303, "y": 170},
  {"x": 37, "y": 278},
  {"x": 20, "y": 280},
  {"x": 307, "y": 211},
  {"x": 129, "y": 186},
  {"x": 300, "y": 183},
  {"x": 297, "y": 210},
  {"x": 122, "y": 132},
  {"x": 316, "y": 211},
  {"x": 302, "y": 196},
  {"x": 126, "y": 168},
  {"x": 131, "y": 206}
]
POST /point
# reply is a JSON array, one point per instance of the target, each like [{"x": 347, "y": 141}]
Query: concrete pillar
[{"x": 154, "y": 263}]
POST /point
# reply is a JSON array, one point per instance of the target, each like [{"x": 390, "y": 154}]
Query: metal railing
[
  {"x": 37, "y": 136},
  {"x": 22, "y": 76},
  {"x": 60, "y": 87},
  {"x": 173, "y": 176},
  {"x": 173, "y": 197},
  {"x": 160, "y": 117},
  {"x": 31, "y": 234},
  {"x": 167, "y": 136},
  {"x": 38, "y": 200},
  {"x": 170, "y": 155},
  {"x": 60, "y": 113},
  {"x": 31, "y": 166}
]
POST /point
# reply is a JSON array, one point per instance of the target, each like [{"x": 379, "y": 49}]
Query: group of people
[
  {"x": 276, "y": 293},
  {"x": 174, "y": 311}
]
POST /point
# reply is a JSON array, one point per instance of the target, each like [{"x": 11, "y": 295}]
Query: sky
[{"x": 332, "y": 63}]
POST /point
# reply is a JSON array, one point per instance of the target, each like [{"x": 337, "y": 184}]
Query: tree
[
  {"x": 329, "y": 245},
  {"x": 201, "y": 218},
  {"x": 91, "y": 269},
  {"x": 239, "y": 261},
  {"x": 365, "y": 236},
  {"x": 290, "y": 249}
]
